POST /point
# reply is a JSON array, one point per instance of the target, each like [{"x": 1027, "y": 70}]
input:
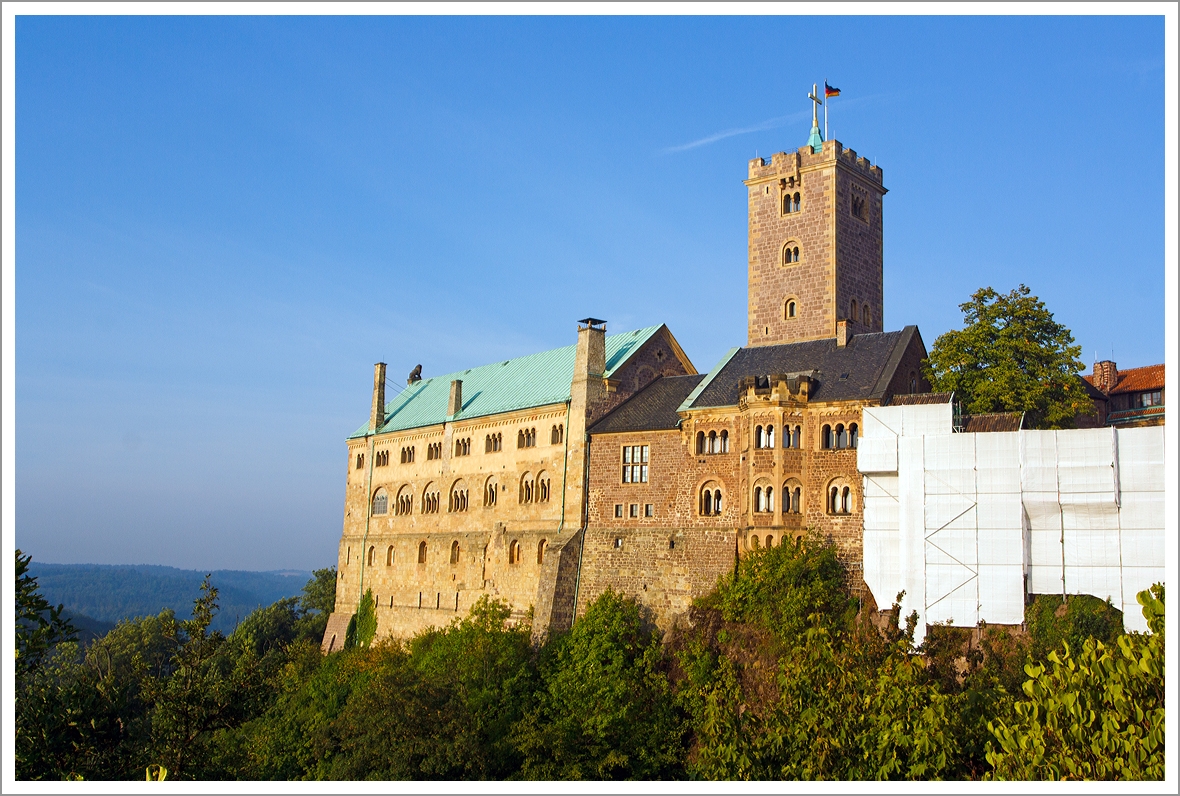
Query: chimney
[
  {"x": 1106, "y": 375},
  {"x": 589, "y": 363},
  {"x": 377, "y": 414},
  {"x": 843, "y": 333},
  {"x": 455, "y": 402}
]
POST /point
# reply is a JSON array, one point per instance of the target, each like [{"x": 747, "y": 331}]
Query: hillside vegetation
[
  {"x": 779, "y": 674},
  {"x": 111, "y": 593}
]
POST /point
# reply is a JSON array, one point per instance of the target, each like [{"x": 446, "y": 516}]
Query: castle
[{"x": 613, "y": 463}]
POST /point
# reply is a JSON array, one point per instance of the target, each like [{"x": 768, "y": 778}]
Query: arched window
[
  {"x": 542, "y": 488},
  {"x": 725, "y": 442},
  {"x": 710, "y": 501},
  {"x": 422, "y": 552},
  {"x": 389, "y": 556},
  {"x": 834, "y": 500},
  {"x": 758, "y": 437},
  {"x": 769, "y": 542},
  {"x": 841, "y": 499},
  {"x": 853, "y": 433},
  {"x": 527, "y": 486},
  {"x": 792, "y": 492},
  {"x": 520, "y": 438},
  {"x": 458, "y": 498},
  {"x": 770, "y": 499},
  {"x": 514, "y": 552},
  {"x": 867, "y": 315},
  {"x": 761, "y": 499},
  {"x": 487, "y": 444},
  {"x": 770, "y": 436},
  {"x": 405, "y": 501},
  {"x": 381, "y": 501},
  {"x": 854, "y": 315},
  {"x": 700, "y": 442},
  {"x": 753, "y": 542},
  {"x": 826, "y": 437},
  {"x": 360, "y": 460},
  {"x": 455, "y": 552},
  {"x": 541, "y": 547},
  {"x": 490, "y": 490},
  {"x": 791, "y": 309},
  {"x": 713, "y": 442},
  {"x": 786, "y": 203},
  {"x": 841, "y": 437},
  {"x": 556, "y": 435},
  {"x": 846, "y": 501},
  {"x": 795, "y": 204},
  {"x": 790, "y": 253},
  {"x": 372, "y": 555}
]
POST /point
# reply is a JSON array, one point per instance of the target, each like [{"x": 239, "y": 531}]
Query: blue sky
[{"x": 223, "y": 222}]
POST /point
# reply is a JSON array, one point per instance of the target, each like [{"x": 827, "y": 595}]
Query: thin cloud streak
[{"x": 769, "y": 124}]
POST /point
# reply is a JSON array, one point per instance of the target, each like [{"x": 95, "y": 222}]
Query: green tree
[
  {"x": 605, "y": 709},
  {"x": 41, "y": 634},
  {"x": 1011, "y": 356},
  {"x": 441, "y": 706},
  {"x": 39, "y": 625},
  {"x": 1097, "y": 713},
  {"x": 212, "y": 686},
  {"x": 316, "y": 604}
]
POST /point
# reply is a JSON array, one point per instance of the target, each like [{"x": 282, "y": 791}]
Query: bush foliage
[{"x": 779, "y": 674}]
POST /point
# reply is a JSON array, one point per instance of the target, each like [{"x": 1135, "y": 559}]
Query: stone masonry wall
[{"x": 840, "y": 255}]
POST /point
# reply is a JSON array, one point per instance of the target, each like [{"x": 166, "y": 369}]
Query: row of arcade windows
[
  {"x": 840, "y": 437},
  {"x": 514, "y": 553},
  {"x": 713, "y": 443},
  {"x": 792, "y": 436}
]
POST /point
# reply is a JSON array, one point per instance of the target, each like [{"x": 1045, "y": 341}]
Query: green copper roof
[
  {"x": 816, "y": 141},
  {"x": 521, "y": 383}
]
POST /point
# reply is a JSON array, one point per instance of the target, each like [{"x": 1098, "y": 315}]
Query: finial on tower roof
[{"x": 816, "y": 140}]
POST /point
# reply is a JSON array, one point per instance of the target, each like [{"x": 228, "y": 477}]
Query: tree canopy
[{"x": 1011, "y": 356}]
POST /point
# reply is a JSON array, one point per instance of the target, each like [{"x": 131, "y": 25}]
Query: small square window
[
  {"x": 618, "y": 509},
  {"x": 634, "y": 509},
  {"x": 649, "y": 510}
]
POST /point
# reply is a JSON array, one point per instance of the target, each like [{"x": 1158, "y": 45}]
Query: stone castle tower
[{"x": 815, "y": 244}]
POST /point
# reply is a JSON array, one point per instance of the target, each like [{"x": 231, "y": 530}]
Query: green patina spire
[{"x": 816, "y": 140}]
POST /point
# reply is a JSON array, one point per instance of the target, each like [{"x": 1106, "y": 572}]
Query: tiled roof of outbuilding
[
  {"x": 1150, "y": 377},
  {"x": 651, "y": 409},
  {"x": 861, "y": 369},
  {"x": 995, "y": 421},
  {"x": 921, "y": 399},
  {"x": 521, "y": 383}
]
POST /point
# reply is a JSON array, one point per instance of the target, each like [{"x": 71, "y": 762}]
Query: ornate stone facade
[{"x": 660, "y": 479}]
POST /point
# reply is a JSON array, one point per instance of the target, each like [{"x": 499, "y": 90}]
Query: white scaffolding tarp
[{"x": 965, "y": 524}]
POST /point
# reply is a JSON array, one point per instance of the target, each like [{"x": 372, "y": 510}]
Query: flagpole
[{"x": 826, "y": 101}]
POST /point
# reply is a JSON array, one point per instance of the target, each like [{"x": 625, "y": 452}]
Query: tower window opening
[
  {"x": 795, "y": 206},
  {"x": 826, "y": 437},
  {"x": 792, "y": 309}
]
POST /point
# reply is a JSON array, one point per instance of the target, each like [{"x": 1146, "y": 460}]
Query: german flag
[{"x": 829, "y": 91}]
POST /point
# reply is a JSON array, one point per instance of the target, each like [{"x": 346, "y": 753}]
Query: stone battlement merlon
[{"x": 803, "y": 158}]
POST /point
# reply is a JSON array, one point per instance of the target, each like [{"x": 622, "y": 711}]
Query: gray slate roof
[
  {"x": 651, "y": 409},
  {"x": 860, "y": 370}
]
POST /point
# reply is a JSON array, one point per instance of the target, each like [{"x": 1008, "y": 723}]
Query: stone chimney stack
[
  {"x": 377, "y": 413},
  {"x": 1106, "y": 375},
  {"x": 589, "y": 362},
  {"x": 843, "y": 334},
  {"x": 455, "y": 402}
]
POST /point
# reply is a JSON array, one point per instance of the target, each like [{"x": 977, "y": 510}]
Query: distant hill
[{"x": 103, "y": 594}]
